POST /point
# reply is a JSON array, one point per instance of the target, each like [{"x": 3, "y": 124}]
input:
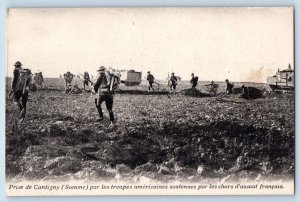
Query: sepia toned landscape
[{"x": 164, "y": 137}]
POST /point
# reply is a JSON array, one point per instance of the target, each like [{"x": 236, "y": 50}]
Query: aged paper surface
[{"x": 198, "y": 101}]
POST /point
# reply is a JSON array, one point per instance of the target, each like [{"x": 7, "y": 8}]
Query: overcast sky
[{"x": 241, "y": 44}]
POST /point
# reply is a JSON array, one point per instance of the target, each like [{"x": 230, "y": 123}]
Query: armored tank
[
  {"x": 131, "y": 78},
  {"x": 283, "y": 80},
  {"x": 38, "y": 79}
]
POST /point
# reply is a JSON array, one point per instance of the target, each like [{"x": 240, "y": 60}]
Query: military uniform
[
  {"x": 20, "y": 86},
  {"x": 229, "y": 86},
  {"x": 86, "y": 79},
  {"x": 213, "y": 87},
  {"x": 173, "y": 80},
  {"x": 150, "y": 79},
  {"x": 68, "y": 79},
  {"x": 106, "y": 94},
  {"x": 194, "y": 81}
]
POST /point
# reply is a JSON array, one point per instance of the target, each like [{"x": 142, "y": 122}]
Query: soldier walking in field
[
  {"x": 150, "y": 79},
  {"x": 104, "y": 87},
  {"x": 173, "y": 80},
  {"x": 229, "y": 87},
  {"x": 194, "y": 81},
  {"x": 68, "y": 80},
  {"x": 20, "y": 88},
  {"x": 86, "y": 79}
]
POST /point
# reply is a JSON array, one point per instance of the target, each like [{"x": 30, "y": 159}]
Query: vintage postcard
[{"x": 150, "y": 101}]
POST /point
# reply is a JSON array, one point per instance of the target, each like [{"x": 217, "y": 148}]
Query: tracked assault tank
[
  {"x": 283, "y": 80},
  {"x": 38, "y": 79},
  {"x": 131, "y": 78}
]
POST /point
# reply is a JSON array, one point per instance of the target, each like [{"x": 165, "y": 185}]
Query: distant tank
[
  {"x": 283, "y": 80},
  {"x": 131, "y": 77},
  {"x": 39, "y": 79}
]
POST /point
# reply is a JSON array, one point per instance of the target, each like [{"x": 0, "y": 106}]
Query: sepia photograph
[{"x": 150, "y": 101}]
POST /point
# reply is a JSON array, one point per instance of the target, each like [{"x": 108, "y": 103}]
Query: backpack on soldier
[
  {"x": 151, "y": 78},
  {"x": 24, "y": 79},
  {"x": 111, "y": 80},
  {"x": 68, "y": 77},
  {"x": 106, "y": 80},
  {"x": 116, "y": 81},
  {"x": 196, "y": 79}
]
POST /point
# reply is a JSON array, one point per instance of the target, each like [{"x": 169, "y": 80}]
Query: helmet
[
  {"x": 101, "y": 69},
  {"x": 18, "y": 64}
]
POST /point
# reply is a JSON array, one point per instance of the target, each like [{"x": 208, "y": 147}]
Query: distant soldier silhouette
[
  {"x": 150, "y": 79},
  {"x": 173, "y": 80},
  {"x": 194, "y": 80},
  {"x": 229, "y": 87},
  {"x": 20, "y": 88},
  {"x": 86, "y": 79},
  {"x": 68, "y": 81},
  {"x": 104, "y": 86},
  {"x": 212, "y": 87}
]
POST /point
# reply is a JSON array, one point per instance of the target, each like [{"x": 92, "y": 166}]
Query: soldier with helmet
[
  {"x": 104, "y": 87},
  {"x": 150, "y": 79},
  {"x": 229, "y": 87},
  {"x": 194, "y": 80},
  {"x": 173, "y": 80},
  {"x": 68, "y": 80},
  {"x": 86, "y": 79},
  {"x": 20, "y": 88}
]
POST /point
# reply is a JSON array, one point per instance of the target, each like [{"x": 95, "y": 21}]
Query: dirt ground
[{"x": 160, "y": 137}]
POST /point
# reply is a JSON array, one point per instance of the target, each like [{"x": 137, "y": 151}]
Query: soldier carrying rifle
[
  {"x": 150, "y": 79},
  {"x": 212, "y": 87}
]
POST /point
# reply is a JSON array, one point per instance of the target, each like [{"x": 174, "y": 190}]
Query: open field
[
  {"x": 159, "y": 137},
  {"x": 56, "y": 83}
]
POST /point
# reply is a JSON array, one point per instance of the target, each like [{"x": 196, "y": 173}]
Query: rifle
[
  {"x": 11, "y": 92},
  {"x": 99, "y": 94},
  {"x": 86, "y": 79},
  {"x": 153, "y": 82}
]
